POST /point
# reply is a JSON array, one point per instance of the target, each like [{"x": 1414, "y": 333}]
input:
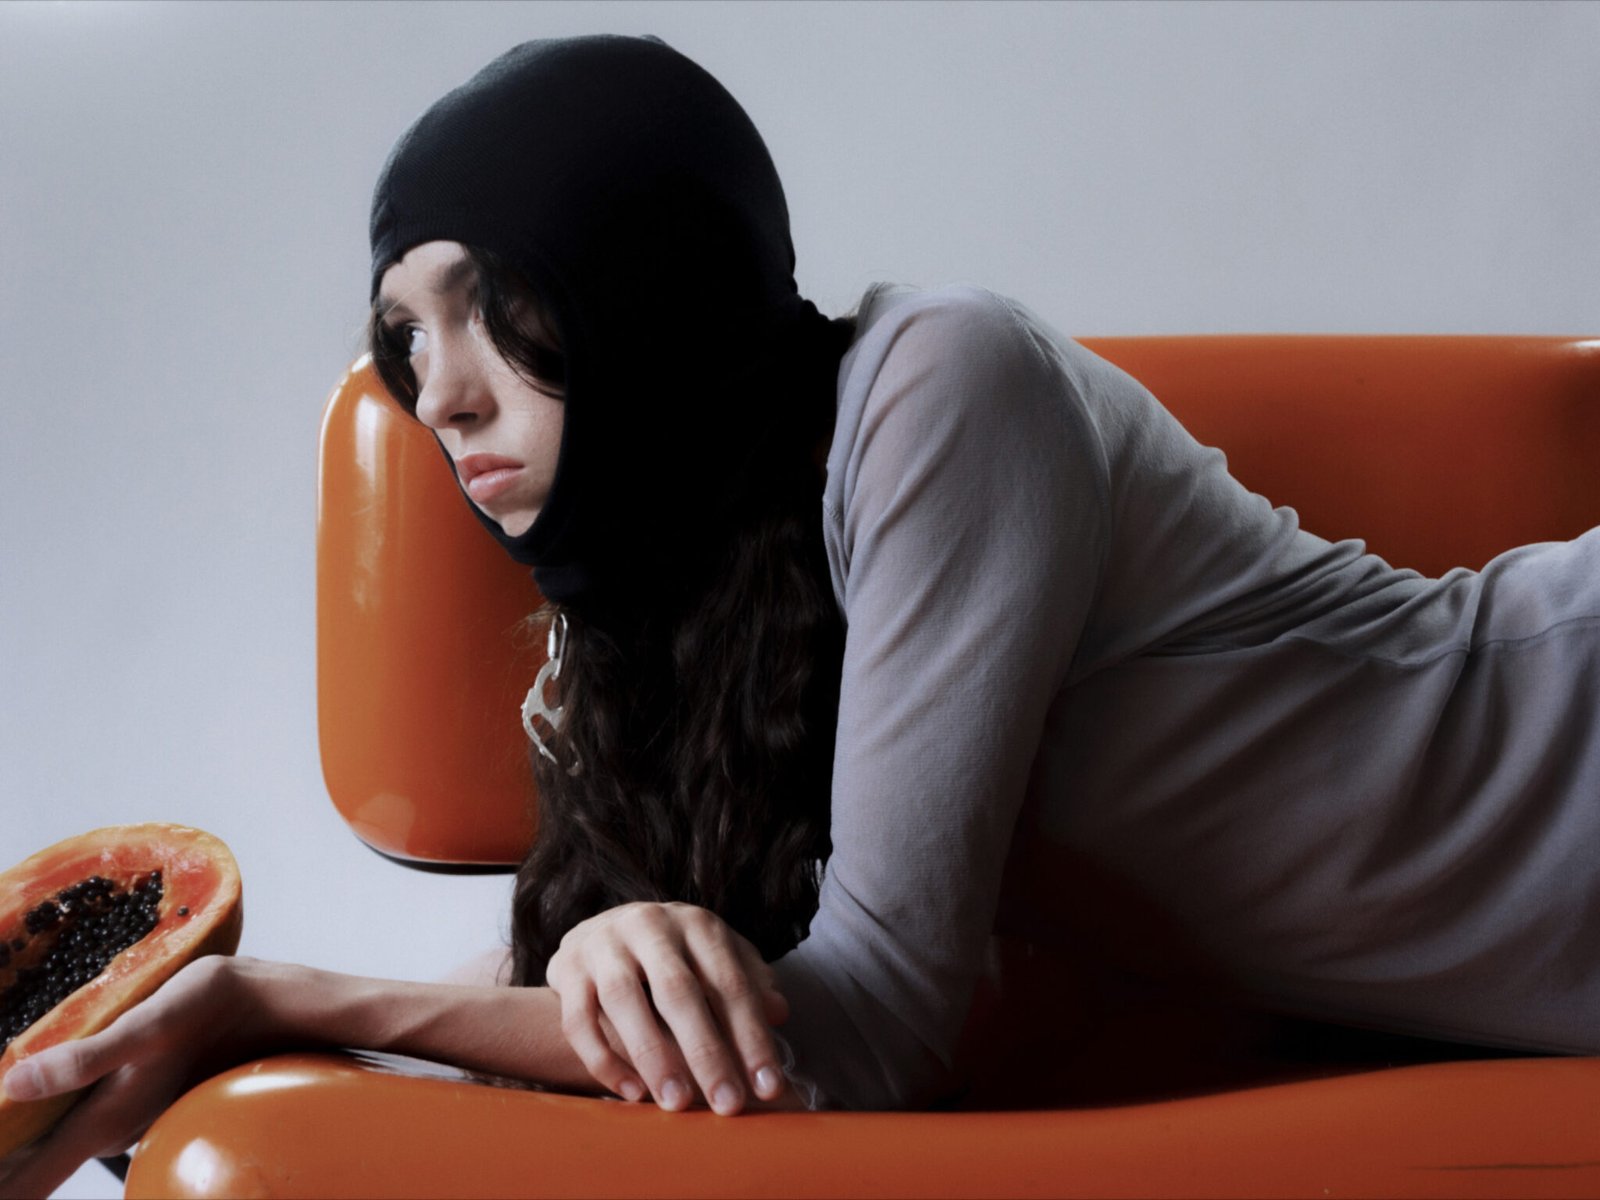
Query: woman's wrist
[
  {"x": 294, "y": 1004},
  {"x": 513, "y": 1032}
]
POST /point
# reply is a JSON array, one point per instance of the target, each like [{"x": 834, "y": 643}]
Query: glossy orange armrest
[{"x": 325, "y": 1126}]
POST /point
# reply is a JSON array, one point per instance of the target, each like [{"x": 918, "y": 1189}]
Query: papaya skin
[{"x": 199, "y": 874}]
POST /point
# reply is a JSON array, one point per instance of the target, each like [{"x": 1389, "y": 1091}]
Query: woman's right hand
[
  {"x": 689, "y": 1001},
  {"x": 198, "y": 1022}
]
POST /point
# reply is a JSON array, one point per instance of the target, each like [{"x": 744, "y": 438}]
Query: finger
[
  {"x": 775, "y": 1005},
  {"x": 110, "y": 1119},
  {"x": 765, "y": 1072},
  {"x": 65, "y": 1067},
  {"x": 28, "y": 1174},
  {"x": 581, "y": 1021},
  {"x": 649, "y": 1045},
  {"x": 70, "y": 1066},
  {"x": 681, "y": 1002},
  {"x": 736, "y": 984},
  {"x": 581, "y": 1024}
]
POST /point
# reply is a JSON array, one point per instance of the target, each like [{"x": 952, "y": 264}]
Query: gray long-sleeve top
[{"x": 1363, "y": 793}]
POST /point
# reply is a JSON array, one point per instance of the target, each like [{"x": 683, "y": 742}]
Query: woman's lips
[{"x": 486, "y": 476}]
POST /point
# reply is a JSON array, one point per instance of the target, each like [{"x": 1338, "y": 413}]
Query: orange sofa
[{"x": 1441, "y": 451}]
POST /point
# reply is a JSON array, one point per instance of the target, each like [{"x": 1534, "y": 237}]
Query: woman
[{"x": 866, "y": 628}]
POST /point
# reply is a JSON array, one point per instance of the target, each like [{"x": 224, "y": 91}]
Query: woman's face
[{"x": 502, "y": 433}]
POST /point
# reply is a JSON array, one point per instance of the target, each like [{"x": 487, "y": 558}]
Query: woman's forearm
[
  {"x": 515, "y": 1032},
  {"x": 221, "y": 1010}
]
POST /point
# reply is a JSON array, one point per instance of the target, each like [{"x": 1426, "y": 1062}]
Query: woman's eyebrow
[{"x": 447, "y": 281}]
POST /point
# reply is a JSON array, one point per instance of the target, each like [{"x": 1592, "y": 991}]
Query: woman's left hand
[
  {"x": 200, "y": 1020},
  {"x": 704, "y": 1021}
]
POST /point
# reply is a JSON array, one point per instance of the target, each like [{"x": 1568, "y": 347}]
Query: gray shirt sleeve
[
  {"x": 966, "y": 519},
  {"x": 1370, "y": 794}
]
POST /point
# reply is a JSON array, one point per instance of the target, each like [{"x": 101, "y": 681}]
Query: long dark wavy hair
[{"x": 703, "y": 734}]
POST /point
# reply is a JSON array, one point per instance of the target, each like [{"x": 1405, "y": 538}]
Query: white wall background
[{"x": 183, "y": 194}]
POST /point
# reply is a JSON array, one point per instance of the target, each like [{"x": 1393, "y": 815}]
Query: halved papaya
[{"x": 91, "y": 926}]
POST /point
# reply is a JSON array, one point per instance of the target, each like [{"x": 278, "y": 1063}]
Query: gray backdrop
[{"x": 183, "y": 192}]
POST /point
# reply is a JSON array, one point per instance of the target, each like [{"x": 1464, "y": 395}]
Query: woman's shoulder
[
  {"x": 945, "y": 357},
  {"x": 964, "y": 340},
  {"x": 958, "y": 317},
  {"x": 957, "y": 383}
]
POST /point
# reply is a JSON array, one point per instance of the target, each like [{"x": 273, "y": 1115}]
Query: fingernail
[
  {"x": 674, "y": 1095},
  {"x": 725, "y": 1098},
  {"x": 23, "y": 1082},
  {"x": 767, "y": 1082},
  {"x": 632, "y": 1091}
]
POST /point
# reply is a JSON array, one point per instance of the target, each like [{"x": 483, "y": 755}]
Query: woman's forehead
[{"x": 437, "y": 269}]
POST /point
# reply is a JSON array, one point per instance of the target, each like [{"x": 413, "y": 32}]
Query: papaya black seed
[
  {"x": 41, "y": 917},
  {"x": 183, "y": 910},
  {"x": 95, "y": 921}
]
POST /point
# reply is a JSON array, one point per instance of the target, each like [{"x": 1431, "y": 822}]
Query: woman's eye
[{"x": 416, "y": 340}]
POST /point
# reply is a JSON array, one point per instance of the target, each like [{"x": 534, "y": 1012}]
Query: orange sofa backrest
[{"x": 1440, "y": 451}]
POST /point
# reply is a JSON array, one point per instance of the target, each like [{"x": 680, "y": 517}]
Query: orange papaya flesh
[{"x": 93, "y": 925}]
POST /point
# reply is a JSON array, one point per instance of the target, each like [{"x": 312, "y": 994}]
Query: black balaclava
[{"x": 637, "y": 199}]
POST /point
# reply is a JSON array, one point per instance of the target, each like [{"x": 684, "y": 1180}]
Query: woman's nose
[{"x": 455, "y": 391}]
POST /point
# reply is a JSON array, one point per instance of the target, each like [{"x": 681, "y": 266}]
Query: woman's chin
[{"x": 516, "y": 524}]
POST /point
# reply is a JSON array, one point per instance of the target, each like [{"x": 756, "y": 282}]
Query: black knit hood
[{"x": 639, "y": 202}]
